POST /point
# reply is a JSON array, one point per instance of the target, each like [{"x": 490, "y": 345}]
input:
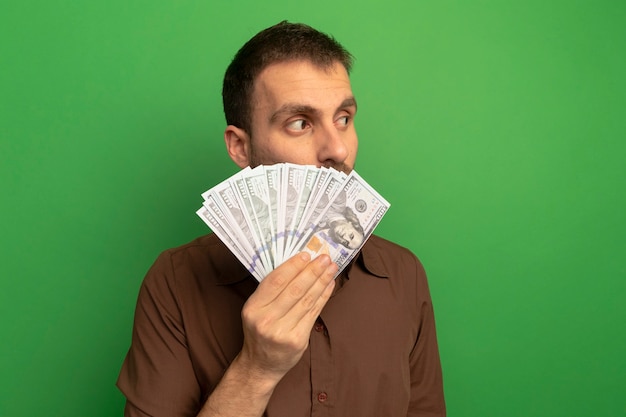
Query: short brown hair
[{"x": 279, "y": 43}]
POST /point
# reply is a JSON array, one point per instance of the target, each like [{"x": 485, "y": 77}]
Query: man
[{"x": 209, "y": 340}]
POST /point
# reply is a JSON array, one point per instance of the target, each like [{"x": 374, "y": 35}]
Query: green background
[{"x": 496, "y": 129}]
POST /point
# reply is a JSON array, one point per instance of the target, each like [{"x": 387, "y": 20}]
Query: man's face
[
  {"x": 344, "y": 233},
  {"x": 304, "y": 115}
]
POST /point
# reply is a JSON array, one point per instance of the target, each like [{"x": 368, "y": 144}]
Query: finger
[
  {"x": 307, "y": 295},
  {"x": 309, "y": 314},
  {"x": 307, "y": 283},
  {"x": 276, "y": 281}
]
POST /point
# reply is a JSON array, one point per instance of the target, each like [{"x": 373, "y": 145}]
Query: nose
[{"x": 332, "y": 147}]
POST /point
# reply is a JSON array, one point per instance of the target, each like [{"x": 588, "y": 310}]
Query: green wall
[{"x": 496, "y": 129}]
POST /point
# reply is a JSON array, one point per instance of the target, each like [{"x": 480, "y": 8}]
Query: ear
[{"x": 238, "y": 145}]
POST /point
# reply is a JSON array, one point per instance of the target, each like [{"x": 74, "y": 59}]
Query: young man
[{"x": 209, "y": 340}]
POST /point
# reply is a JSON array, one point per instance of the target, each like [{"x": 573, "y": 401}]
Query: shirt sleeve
[
  {"x": 427, "y": 398},
  {"x": 157, "y": 376}
]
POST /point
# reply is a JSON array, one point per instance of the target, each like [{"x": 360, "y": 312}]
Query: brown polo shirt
[{"x": 373, "y": 351}]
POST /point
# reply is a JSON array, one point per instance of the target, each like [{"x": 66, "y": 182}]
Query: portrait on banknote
[{"x": 266, "y": 214}]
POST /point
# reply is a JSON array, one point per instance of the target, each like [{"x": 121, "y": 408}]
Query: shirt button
[
  {"x": 319, "y": 327},
  {"x": 322, "y": 396}
]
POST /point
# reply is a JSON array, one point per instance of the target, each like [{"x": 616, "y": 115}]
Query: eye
[
  {"x": 298, "y": 125},
  {"x": 343, "y": 120}
]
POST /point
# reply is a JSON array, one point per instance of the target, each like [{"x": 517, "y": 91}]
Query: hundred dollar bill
[
  {"x": 228, "y": 200},
  {"x": 344, "y": 226},
  {"x": 246, "y": 204},
  {"x": 223, "y": 205},
  {"x": 330, "y": 182},
  {"x": 318, "y": 201},
  {"x": 252, "y": 266},
  {"x": 222, "y": 197},
  {"x": 259, "y": 210},
  {"x": 306, "y": 187},
  {"x": 266, "y": 214},
  {"x": 293, "y": 178},
  {"x": 273, "y": 175}
]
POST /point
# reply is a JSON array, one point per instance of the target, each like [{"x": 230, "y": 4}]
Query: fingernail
[
  {"x": 324, "y": 260},
  {"x": 304, "y": 256}
]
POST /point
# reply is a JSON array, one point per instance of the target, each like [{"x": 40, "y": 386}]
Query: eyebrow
[{"x": 295, "y": 108}]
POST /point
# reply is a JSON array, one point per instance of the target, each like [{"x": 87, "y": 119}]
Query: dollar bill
[
  {"x": 247, "y": 206},
  {"x": 292, "y": 181},
  {"x": 267, "y": 214},
  {"x": 307, "y": 185},
  {"x": 226, "y": 194},
  {"x": 344, "y": 226},
  {"x": 253, "y": 266},
  {"x": 273, "y": 175},
  {"x": 330, "y": 182},
  {"x": 259, "y": 211}
]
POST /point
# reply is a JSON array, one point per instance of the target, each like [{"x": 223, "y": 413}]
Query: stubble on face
[{"x": 256, "y": 160}]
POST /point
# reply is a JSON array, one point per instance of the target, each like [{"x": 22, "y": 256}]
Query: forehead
[{"x": 301, "y": 82}]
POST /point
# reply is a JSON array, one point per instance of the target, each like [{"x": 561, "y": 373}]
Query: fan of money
[{"x": 266, "y": 214}]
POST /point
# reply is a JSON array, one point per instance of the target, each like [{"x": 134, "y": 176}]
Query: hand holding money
[
  {"x": 279, "y": 315},
  {"x": 266, "y": 214},
  {"x": 277, "y": 321}
]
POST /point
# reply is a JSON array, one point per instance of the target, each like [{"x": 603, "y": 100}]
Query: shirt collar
[
  {"x": 371, "y": 258},
  {"x": 231, "y": 271}
]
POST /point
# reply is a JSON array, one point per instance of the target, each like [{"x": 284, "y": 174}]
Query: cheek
[
  {"x": 353, "y": 142},
  {"x": 353, "y": 147},
  {"x": 300, "y": 151},
  {"x": 274, "y": 151}
]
